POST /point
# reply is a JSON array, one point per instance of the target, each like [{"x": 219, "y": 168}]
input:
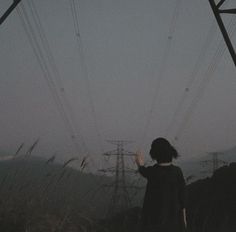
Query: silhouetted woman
[{"x": 165, "y": 196}]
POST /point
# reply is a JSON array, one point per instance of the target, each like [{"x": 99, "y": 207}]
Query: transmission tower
[
  {"x": 214, "y": 162},
  {"x": 9, "y": 10},
  {"x": 120, "y": 199},
  {"x": 217, "y": 10}
]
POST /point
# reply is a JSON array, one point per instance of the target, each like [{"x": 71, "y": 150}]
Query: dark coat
[{"x": 164, "y": 200}]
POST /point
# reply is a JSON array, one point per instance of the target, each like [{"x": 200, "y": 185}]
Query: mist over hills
[
  {"x": 229, "y": 155},
  {"x": 195, "y": 168}
]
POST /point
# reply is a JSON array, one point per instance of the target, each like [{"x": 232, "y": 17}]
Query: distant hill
[
  {"x": 4, "y": 154},
  {"x": 47, "y": 197},
  {"x": 229, "y": 155},
  {"x": 36, "y": 179},
  {"x": 194, "y": 169}
]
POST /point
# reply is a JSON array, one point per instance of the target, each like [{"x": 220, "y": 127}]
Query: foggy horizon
[{"x": 123, "y": 76}]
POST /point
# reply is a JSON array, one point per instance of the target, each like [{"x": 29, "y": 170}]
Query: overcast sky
[{"x": 124, "y": 82}]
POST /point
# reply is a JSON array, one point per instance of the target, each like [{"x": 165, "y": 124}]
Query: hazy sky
[{"x": 139, "y": 60}]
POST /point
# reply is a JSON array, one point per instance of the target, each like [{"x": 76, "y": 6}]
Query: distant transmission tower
[
  {"x": 120, "y": 199},
  {"x": 215, "y": 162}
]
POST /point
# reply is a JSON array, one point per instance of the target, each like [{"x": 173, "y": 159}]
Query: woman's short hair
[{"x": 162, "y": 151}]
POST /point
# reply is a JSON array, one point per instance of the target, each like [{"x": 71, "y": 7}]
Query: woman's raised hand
[{"x": 139, "y": 158}]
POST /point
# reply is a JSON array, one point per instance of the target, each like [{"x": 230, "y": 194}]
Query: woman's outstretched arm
[{"x": 144, "y": 171}]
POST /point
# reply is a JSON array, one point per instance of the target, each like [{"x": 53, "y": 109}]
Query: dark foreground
[{"x": 35, "y": 197}]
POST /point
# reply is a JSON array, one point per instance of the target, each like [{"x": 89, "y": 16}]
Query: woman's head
[{"x": 162, "y": 151}]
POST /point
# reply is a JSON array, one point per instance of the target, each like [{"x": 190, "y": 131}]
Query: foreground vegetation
[{"x": 35, "y": 197}]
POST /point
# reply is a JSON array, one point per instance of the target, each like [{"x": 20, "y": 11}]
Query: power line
[
  {"x": 204, "y": 83},
  {"x": 193, "y": 75},
  {"x": 74, "y": 6},
  {"x": 39, "y": 54},
  {"x": 57, "y": 83},
  {"x": 56, "y": 73},
  {"x": 162, "y": 68},
  {"x": 52, "y": 62}
]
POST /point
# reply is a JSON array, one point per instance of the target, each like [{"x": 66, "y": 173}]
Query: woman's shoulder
[
  {"x": 173, "y": 167},
  {"x": 177, "y": 168},
  {"x": 178, "y": 171}
]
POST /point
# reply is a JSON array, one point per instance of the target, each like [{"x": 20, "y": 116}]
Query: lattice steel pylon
[
  {"x": 215, "y": 162},
  {"x": 120, "y": 199},
  {"x": 9, "y": 10},
  {"x": 217, "y": 10}
]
